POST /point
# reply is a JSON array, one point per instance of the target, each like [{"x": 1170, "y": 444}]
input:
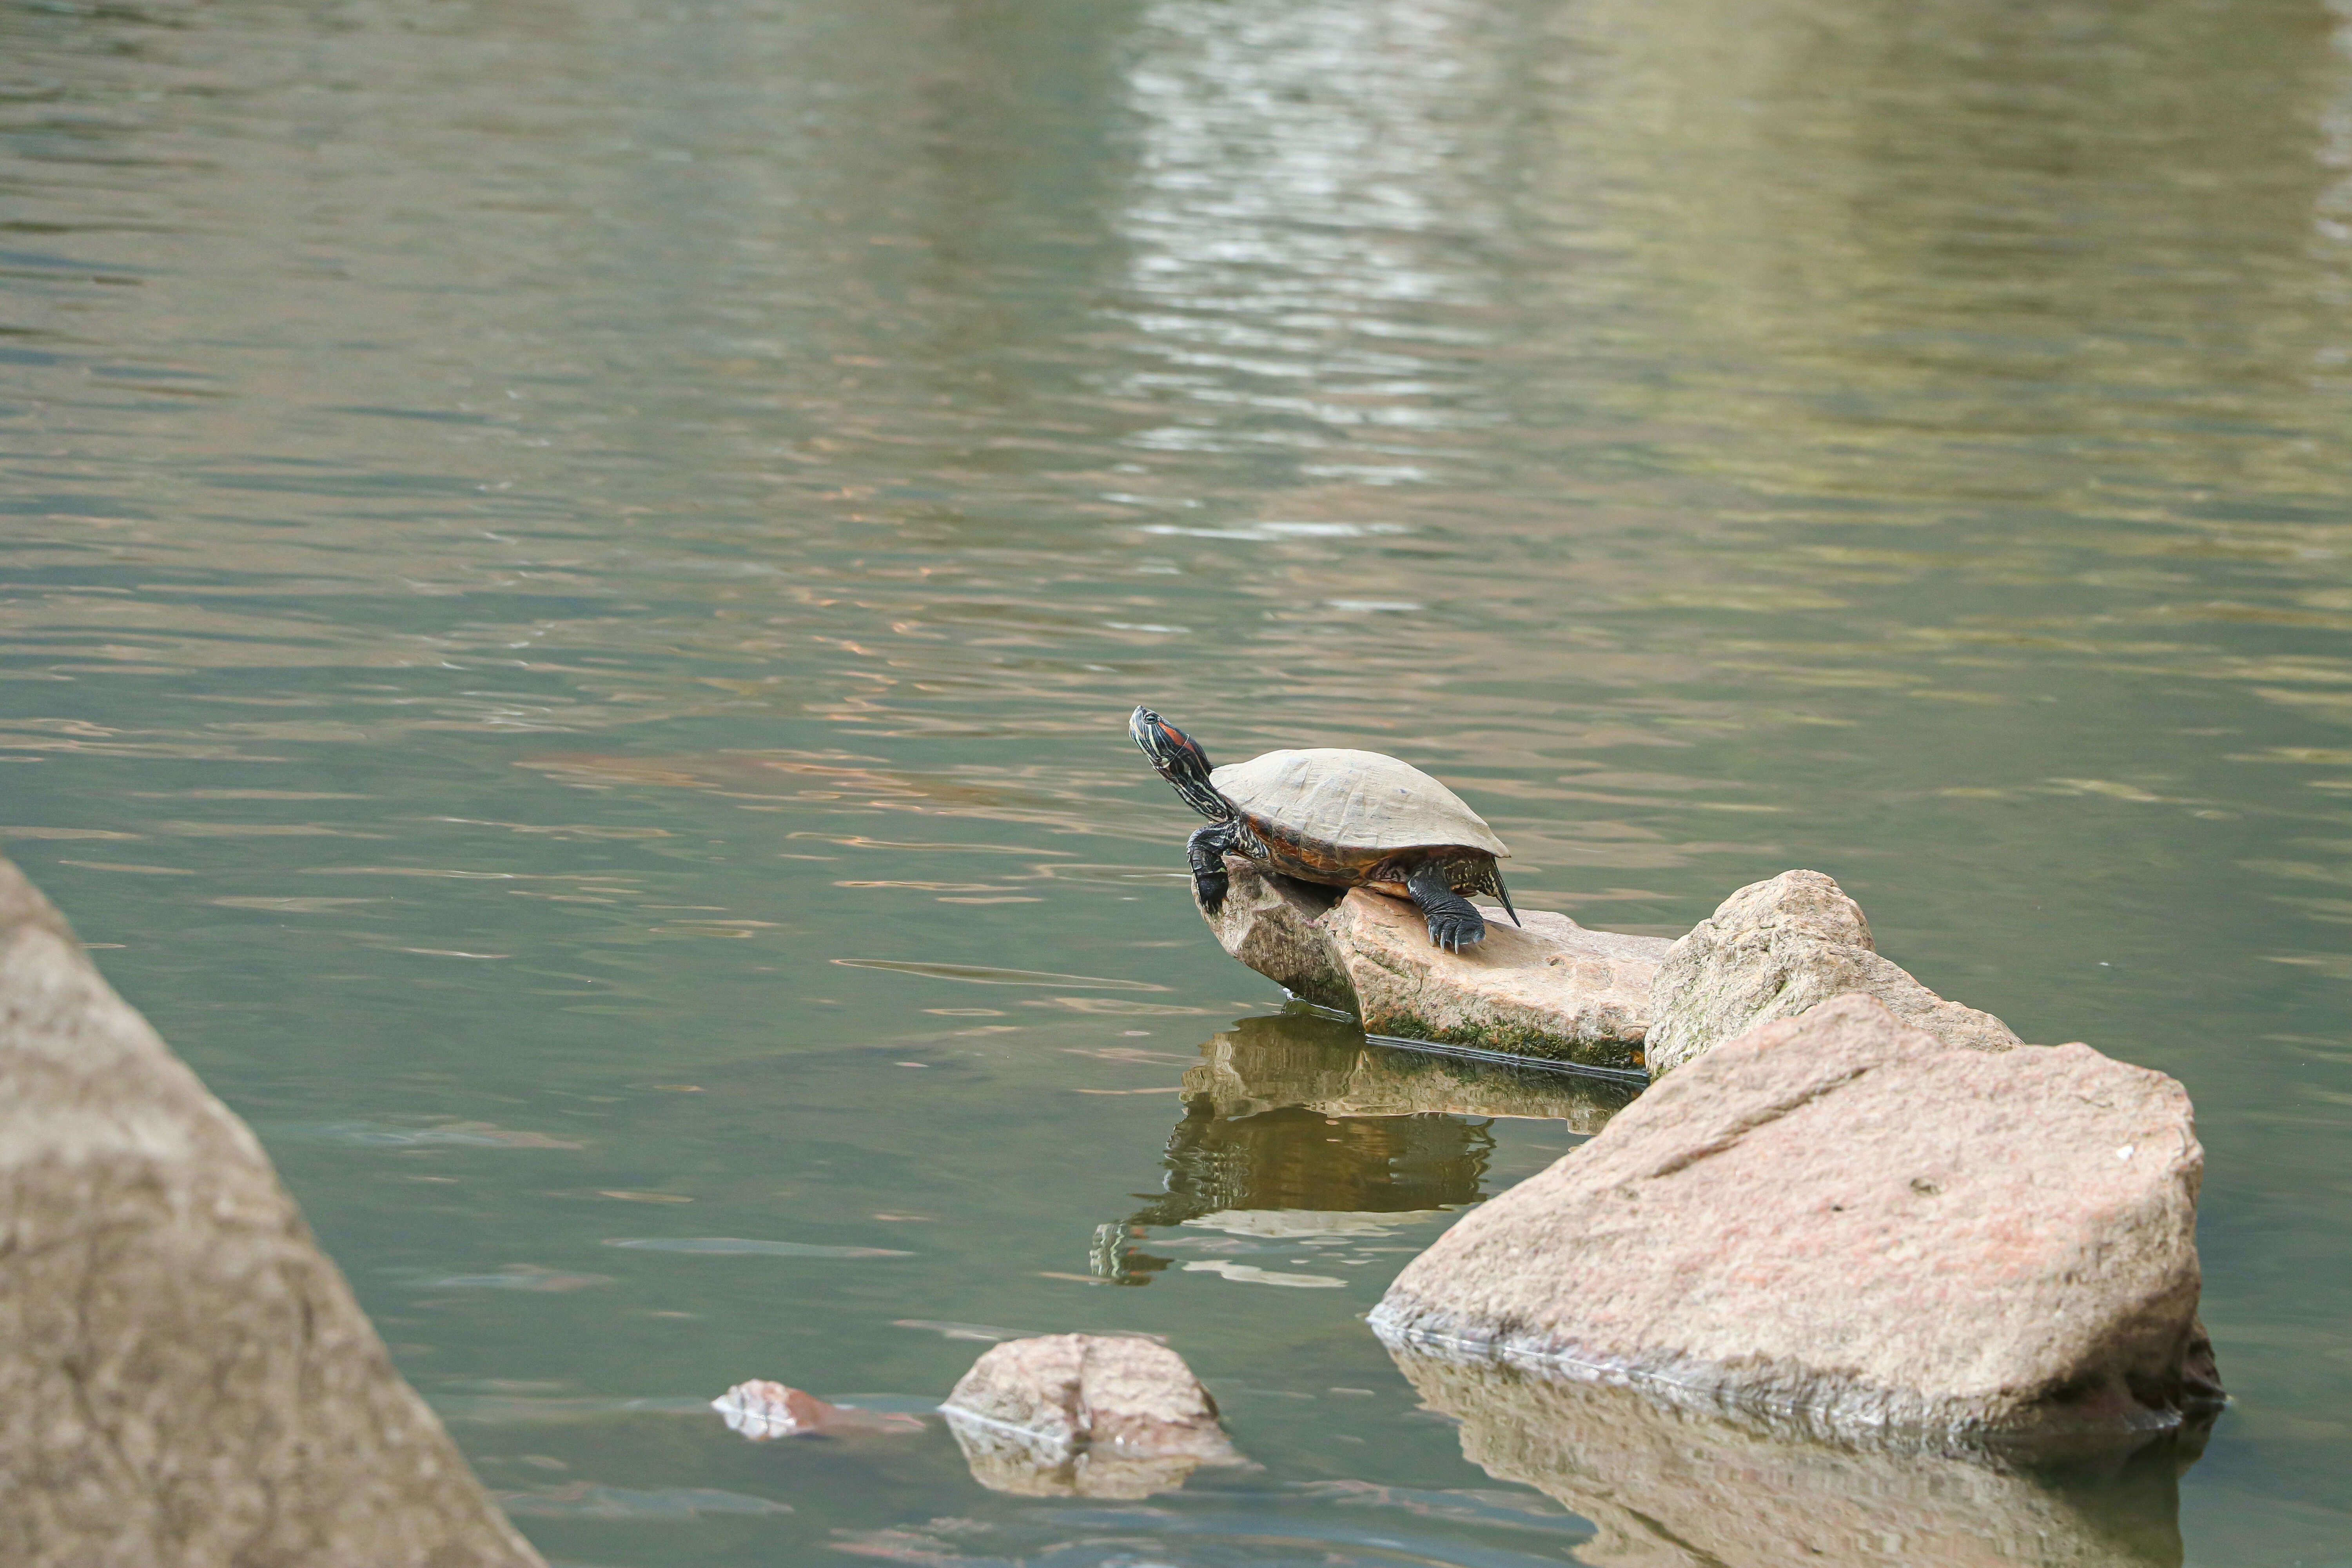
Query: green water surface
[{"x": 571, "y": 574}]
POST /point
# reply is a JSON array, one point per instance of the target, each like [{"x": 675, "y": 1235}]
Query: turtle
[{"x": 1342, "y": 818}]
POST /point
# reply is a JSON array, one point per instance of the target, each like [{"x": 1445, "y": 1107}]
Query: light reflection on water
[{"x": 571, "y": 574}]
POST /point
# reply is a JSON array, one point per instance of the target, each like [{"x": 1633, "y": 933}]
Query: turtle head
[{"x": 1181, "y": 761}]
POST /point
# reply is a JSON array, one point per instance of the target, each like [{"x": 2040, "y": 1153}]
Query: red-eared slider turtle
[{"x": 1346, "y": 819}]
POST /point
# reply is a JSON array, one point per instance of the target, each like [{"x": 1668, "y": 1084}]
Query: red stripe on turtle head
[{"x": 1181, "y": 761}]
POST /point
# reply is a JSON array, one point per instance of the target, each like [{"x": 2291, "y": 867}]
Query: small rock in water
[
  {"x": 1776, "y": 948},
  {"x": 762, "y": 1409},
  {"x": 1086, "y": 1415}
]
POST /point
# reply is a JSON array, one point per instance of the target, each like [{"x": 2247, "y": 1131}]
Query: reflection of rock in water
[
  {"x": 1010, "y": 1462},
  {"x": 1672, "y": 1488},
  {"x": 1326, "y": 1065},
  {"x": 1294, "y": 1125}
]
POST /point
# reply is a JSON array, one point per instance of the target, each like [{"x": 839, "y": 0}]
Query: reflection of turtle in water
[
  {"x": 1295, "y": 1159},
  {"x": 1346, "y": 819},
  {"x": 1295, "y": 1126},
  {"x": 1293, "y": 1167}
]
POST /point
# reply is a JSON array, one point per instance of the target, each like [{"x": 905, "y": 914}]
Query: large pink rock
[
  {"x": 1553, "y": 989},
  {"x": 1843, "y": 1220}
]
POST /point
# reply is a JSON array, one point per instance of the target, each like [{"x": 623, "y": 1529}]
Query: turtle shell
[{"x": 1352, "y": 806}]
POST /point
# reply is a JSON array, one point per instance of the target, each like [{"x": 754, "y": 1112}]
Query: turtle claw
[
  {"x": 1454, "y": 934},
  {"x": 1454, "y": 922},
  {"x": 1211, "y": 891}
]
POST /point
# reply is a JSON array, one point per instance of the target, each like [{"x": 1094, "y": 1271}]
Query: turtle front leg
[
  {"x": 1206, "y": 850},
  {"x": 1454, "y": 922}
]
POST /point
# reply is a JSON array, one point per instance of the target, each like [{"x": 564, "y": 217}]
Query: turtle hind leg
[
  {"x": 1206, "y": 851},
  {"x": 1454, "y": 922}
]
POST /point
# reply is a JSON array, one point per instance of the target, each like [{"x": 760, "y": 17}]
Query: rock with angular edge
[
  {"x": 1084, "y": 1415},
  {"x": 1667, "y": 1486},
  {"x": 1846, "y": 1222},
  {"x": 185, "y": 1377},
  {"x": 1776, "y": 948},
  {"x": 1552, "y": 990}
]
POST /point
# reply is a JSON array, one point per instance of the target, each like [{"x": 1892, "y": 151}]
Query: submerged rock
[
  {"x": 1776, "y": 948},
  {"x": 185, "y": 1377},
  {"x": 763, "y": 1410},
  {"x": 1844, "y": 1222},
  {"x": 1087, "y": 1415},
  {"x": 1552, "y": 990},
  {"x": 1672, "y": 1488}
]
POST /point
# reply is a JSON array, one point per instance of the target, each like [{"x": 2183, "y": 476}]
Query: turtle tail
[
  {"x": 1495, "y": 886},
  {"x": 1468, "y": 873}
]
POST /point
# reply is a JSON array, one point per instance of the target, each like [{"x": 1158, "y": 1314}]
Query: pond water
[{"x": 571, "y": 573}]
